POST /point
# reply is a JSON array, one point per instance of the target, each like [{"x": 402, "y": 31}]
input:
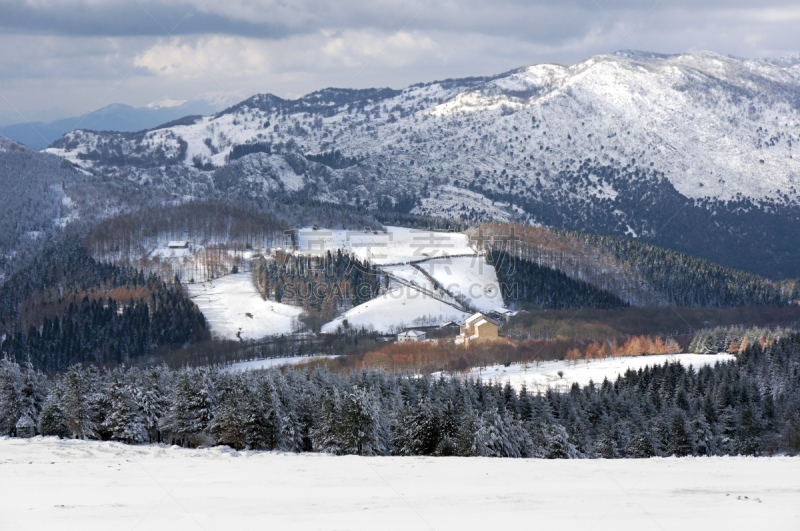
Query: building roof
[
  {"x": 412, "y": 333},
  {"x": 178, "y": 243},
  {"x": 25, "y": 422},
  {"x": 474, "y": 317}
]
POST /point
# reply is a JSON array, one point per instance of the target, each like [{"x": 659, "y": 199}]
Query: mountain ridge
[{"x": 694, "y": 151}]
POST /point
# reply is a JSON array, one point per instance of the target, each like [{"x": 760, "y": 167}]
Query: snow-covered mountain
[
  {"x": 115, "y": 117},
  {"x": 692, "y": 151}
]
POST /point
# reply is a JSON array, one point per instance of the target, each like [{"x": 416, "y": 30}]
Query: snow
[
  {"x": 396, "y": 309},
  {"x": 269, "y": 363},
  {"x": 397, "y": 245},
  {"x": 545, "y": 375},
  {"x": 226, "y": 301},
  {"x": 467, "y": 276},
  {"x": 89, "y": 485},
  {"x": 410, "y": 274}
]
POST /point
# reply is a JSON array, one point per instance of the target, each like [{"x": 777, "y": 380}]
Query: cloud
[
  {"x": 131, "y": 18},
  {"x": 120, "y": 50}
]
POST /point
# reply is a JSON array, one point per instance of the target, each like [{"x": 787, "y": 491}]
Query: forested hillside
[
  {"x": 638, "y": 273},
  {"x": 68, "y": 308},
  {"x": 108, "y": 331},
  {"x": 524, "y": 283}
]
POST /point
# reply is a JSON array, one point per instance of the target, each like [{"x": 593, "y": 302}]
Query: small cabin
[
  {"x": 25, "y": 427},
  {"x": 178, "y": 244},
  {"x": 411, "y": 335}
]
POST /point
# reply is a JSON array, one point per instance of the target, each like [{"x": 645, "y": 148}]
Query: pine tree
[
  {"x": 52, "y": 421},
  {"x": 360, "y": 424},
  {"x": 640, "y": 445},
  {"x": 124, "y": 421},
  {"x": 11, "y": 398},
  {"x": 190, "y": 411},
  {"x": 79, "y": 403},
  {"x": 605, "y": 446},
  {"x": 748, "y": 436},
  {"x": 680, "y": 444},
  {"x": 419, "y": 432},
  {"x": 325, "y": 435},
  {"x": 152, "y": 403},
  {"x": 229, "y": 424}
]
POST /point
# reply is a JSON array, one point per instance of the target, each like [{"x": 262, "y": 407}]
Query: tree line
[{"x": 750, "y": 406}]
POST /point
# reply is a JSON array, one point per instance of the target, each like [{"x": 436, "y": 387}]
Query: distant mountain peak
[
  {"x": 8, "y": 145},
  {"x": 164, "y": 103}
]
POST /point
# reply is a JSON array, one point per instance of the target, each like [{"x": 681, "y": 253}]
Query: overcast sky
[{"x": 65, "y": 57}]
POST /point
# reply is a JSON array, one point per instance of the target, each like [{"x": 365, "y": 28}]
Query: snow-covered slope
[
  {"x": 693, "y": 116},
  {"x": 614, "y": 144},
  {"x": 90, "y": 485},
  {"x": 396, "y": 309},
  {"x": 467, "y": 277},
  {"x": 234, "y": 310}
]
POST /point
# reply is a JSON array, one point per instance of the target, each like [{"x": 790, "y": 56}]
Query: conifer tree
[
  {"x": 360, "y": 428},
  {"x": 124, "y": 421},
  {"x": 79, "y": 403},
  {"x": 52, "y": 420}
]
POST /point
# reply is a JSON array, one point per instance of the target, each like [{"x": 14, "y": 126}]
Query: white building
[{"x": 411, "y": 335}]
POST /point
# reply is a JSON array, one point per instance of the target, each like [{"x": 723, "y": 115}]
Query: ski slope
[
  {"x": 49, "y": 483},
  {"x": 469, "y": 277},
  {"x": 544, "y": 376},
  {"x": 410, "y": 274},
  {"x": 396, "y": 309},
  {"x": 227, "y": 301}
]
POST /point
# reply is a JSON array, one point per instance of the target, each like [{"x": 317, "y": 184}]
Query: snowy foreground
[
  {"x": 67, "y": 484},
  {"x": 545, "y": 375}
]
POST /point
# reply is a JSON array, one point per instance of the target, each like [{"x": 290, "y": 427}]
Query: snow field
[
  {"x": 88, "y": 485},
  {"x": 226, "y": 301},
  {"x": 545, "y": 375}
]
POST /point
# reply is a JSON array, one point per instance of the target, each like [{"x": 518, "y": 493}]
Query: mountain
[
  {"x": 32, "y": 186},
  {"x": 694, "y": 152},
  {"x": 114, "y": 117}
]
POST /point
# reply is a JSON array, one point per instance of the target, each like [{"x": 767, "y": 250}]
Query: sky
[{"x": 67, "y": 57}]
